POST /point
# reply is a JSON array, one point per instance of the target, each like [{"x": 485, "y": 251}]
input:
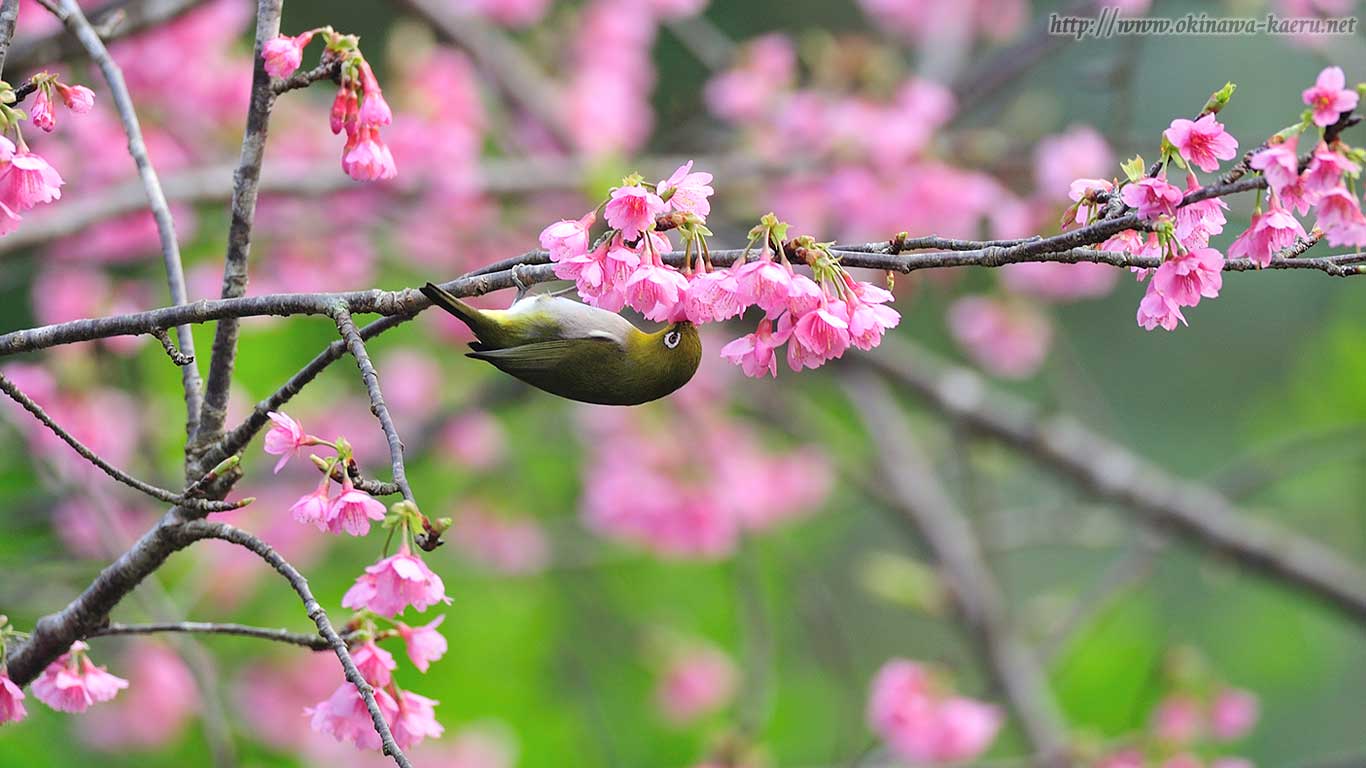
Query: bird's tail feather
[{"x": 443, "y": 298}]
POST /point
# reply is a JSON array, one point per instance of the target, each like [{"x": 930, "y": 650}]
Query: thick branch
[
  {"x": 356, "y": 345},
  {"x": 9, "y": 16},
  {"x": 205, "y": 529},
  {"x": 929, "y": 509},
  {"x": 1114, "y": 474},
  {"x": 246, "y": 187},
  {"x": 161, "y": 494},
  {"x": 314, "y": 641},
  {"x": 75, "y": 21}
]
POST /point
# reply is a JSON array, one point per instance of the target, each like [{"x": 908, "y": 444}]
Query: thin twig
[
  {"x": 328, "y": 69},
  {"x": 177, "y": 357},
  {"x": 245, "y": 189},
  {"x": 356, "y": 345},
  {"x": 225, "y": 532},
  {"x": 928, "y": 507},
  {"x": 75, "y": 21},
  {"x": 161, "y": 494},
  {"x": 1113, "y": 473},
  {"x": 313, "y": 641}
]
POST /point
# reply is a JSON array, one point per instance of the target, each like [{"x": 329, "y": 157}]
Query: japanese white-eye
[{"x": 576, "y": 351}]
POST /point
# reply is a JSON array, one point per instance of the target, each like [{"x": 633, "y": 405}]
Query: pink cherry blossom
[
  {"x": 1157, "y": 310},
  {"x": 967, "y": 728},
  {"x": 352, "y": 511},
  {"x": 424, "y": 644},
  {"x": 824, "y": 332},
  {"x": 313, "y": 507},
  {"x": 1202, "y": 143},
  {"x": 1330, "y": 97},
  {"x": 285, "y": 438},
  {"x": 1152, "y": 197},
  {"x": 1325, "y": 171},
  {"x": 765, "y": 283},
  {"x": 416, "y": 720},
  {"x": 1178, "y": 720},
  {"x": 713, "y": 296},
  {"x": 754, "y": 352},
  {"x": 1185, "y": 278},
  {"x": 41, "y": 112},
  {"x": 1279, "y": 163},
  {"x": 689, "y": 190},
  {"x": 632, "y": 210},
  {"x": 1197, "y": 222},
  {"x": 284, "y": 54},
  {"x": 1233, "y": 714},
  {"x": 30, "y": 180},
  {"x": 374, "y": 663},
  {"x": 73, "y": 683},
  {"x": 1010, "y": 341},
  {"x": 695, "y": 683},
  {"x": 77, "y": 98},
  {"x": 367, "y": 158},
  {"x": 394, "y": 583},
  {"x": 1080, "y": 152},
  {"x": 344, "y": 716},
  {"x": 567, "y": 238},
  {"x": 655, "y": 291},
  {"x": 803, "y": 295},
  {"x": 11, "y": 701},
  {"x": 1341, "y": 219},
  {"x": 920, "y": 724},
  {"x": 1269, "y": 234},
  {"x": 620, "y": 263}
]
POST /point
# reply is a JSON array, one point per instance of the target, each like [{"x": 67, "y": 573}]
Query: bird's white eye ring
[{"x": 672, "y": 338}]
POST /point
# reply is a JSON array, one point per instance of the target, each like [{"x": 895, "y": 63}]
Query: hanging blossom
[
  {"x": 28, "y": 180},
  {"x": 359, "y": 107},
  {"x": 73, "y": 683},
  {"x": 351, "y": 510}
]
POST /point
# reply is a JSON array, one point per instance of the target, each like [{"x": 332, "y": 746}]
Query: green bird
[{"x": 576, "y": 351}]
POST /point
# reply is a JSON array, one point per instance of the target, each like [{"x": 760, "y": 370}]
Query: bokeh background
[{"x": 560, "y": 635}]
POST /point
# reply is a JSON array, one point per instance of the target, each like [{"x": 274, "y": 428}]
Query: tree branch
[
  {"x": 315, "y": 642},
  {"x": 933, "y": 514},
  {"x": 113, "y": 20},
  {"x": 349, "y": 333},
  {"x": 1112, "y": 473},
  {"x": 9, "y": 16},
  {"x": 246, "y": 188},
  {"x": 75, "y": 21},
  {"x": 225, "y": 532},
  {"x": 161, "y": 494}
]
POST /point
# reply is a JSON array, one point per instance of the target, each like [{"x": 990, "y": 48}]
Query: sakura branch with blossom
[{"x": 619, "y": 254}]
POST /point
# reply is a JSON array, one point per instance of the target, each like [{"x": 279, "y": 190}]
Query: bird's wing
[{"x": 542, "y": 355}]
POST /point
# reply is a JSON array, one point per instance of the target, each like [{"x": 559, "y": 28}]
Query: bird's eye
[{"x": 672, "y": 338}]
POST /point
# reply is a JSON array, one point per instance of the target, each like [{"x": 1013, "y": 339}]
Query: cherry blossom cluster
[
  {"x": 1178, "y": 230},
  {"x": 1198, "y": 718},
  {"x": 821, "y": 316},
  {"x": 384, "y": 591},
  {"x": 913, "y": 709},
  {"x": 634, "y": 492},
  {"x": 359, "y": 108},
  {"x": 27, "y": 180},
  {"x": 71, "y": 683}
]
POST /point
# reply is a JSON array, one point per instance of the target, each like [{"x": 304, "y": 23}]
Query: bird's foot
[{"x": 522, "y": 286}]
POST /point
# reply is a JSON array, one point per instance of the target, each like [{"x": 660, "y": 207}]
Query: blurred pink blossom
[
  {"x": 503, "y": 544},
  {"x": 11, "y": 701},
  {"x": 1179, "y": 719},
  {"x": 1233, "y": 713},
  {"x": 696, "y": 682},
  {"x": 921, "y": 723},
  {"x": 1080, "y": 152},
  {"x": 474, "y": 438},
  {"x": 1007, "y": 340},
  {"x": 161, "y": 699}
]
